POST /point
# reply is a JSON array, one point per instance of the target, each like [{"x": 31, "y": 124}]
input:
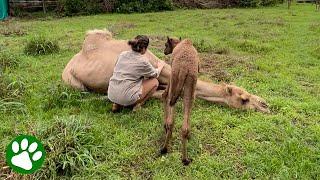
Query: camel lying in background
[
  {"x": 92, "y": 67},
  {"x": 183, "y": 80}
]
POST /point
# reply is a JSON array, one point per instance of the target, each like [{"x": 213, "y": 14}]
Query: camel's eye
[{"x": 244, "y": 101}]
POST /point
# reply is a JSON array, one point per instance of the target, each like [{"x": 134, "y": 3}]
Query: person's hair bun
[
  {"x": 133, "y": 42},
  {"x": 139, "y": 43}
]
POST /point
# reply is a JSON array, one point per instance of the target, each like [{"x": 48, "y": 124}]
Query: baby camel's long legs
[
  {"x": 168, "y": 121},
  {"x": 168, "y": 126},
  {"x": 188, "y": 99}
]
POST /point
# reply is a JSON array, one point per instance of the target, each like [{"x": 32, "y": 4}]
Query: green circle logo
[{"x": 25, "y": 154}]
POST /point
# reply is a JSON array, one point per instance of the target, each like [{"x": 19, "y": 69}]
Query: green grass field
[{"x": 272, "y": 52}]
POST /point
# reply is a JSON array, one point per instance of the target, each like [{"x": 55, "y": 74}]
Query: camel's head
[
  {"x": 239, "y": 98},
  {"x": 170, "y": 45}
]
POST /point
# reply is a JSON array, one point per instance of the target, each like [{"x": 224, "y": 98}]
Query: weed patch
[
  {"x": 315, "y": 27},
  {"x": 116, "y": 29},
  {"x": 10, "y": 29},
  {"x": 217, "y": 66},
  {"x": 8, "y": 60},
  {"x": 203, "y": 47},
  {"x": 71, "y": 148},
  {"x": 41, "y": 46},
  {"x": 316, "y": 52},
  {"x": 253, "y": 47},
  {"x": 60, "y": 96},
  {"x": 11, "y": 93}
]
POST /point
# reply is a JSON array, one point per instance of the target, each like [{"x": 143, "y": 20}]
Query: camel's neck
[
  {"x": 166, "y": 71},
  {"x": 211, "y": 92}
]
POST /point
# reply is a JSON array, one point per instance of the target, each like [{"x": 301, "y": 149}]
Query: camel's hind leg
[
  {"x": 70, "y": 79},
  {"x": 168, "y": 120},
  {"x": 188, "y": 98}
]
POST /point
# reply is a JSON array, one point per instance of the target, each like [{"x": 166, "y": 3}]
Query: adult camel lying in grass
[{"x": 92, "y": 67}]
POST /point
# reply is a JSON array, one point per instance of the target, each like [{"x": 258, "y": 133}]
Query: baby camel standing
[{"x": 183, "y": 81}]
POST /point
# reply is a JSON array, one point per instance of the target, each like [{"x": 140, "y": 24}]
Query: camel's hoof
[
  {"x": 186, "y": 162},
  {"x": 164, "y": 150}
]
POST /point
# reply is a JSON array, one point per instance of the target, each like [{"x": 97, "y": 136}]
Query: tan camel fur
[
  {"x": 183, "y": 80},
  {"x": 92, "y": 67}
]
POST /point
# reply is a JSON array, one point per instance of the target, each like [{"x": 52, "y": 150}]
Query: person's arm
[{"x": 148, "y": 71}]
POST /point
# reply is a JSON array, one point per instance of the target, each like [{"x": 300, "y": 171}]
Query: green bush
[
  {"x": 129, "y": 6},
  {"x": 41, "y": 46},
  {"x": 80, "y": 7},
  {"x": 224, "y": 3},
  {"x": 257, "y": 3}
]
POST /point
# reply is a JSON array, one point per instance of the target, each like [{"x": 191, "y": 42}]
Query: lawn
[{"x": 272, "y": 52}]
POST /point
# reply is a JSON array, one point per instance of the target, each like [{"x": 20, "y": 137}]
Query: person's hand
[{"x": 160, "y": 64}]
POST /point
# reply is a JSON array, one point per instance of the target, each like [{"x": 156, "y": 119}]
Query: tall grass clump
[
  {"x": 71, "y": 148},
  {"x": 60, "y": 96},
  {"x": 41, "y": 46},
  {"x": 11, "y": 93},
  {"x": 8, "y": 60},
  {"x": 203, "y": 46}
]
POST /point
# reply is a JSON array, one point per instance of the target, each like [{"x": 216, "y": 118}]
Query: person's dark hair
[{"x": 139, "y": 43}]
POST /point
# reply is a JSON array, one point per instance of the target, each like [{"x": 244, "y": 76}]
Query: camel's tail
[{"x": 178, "y": 81}]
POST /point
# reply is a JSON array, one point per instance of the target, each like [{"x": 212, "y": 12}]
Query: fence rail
[{"x": 25, "y": 4}]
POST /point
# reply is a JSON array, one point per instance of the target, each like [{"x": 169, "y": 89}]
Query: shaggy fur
[{"x": 183, "y": 79}]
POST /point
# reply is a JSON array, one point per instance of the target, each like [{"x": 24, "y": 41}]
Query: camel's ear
[
  {"x": 180, "y": 39},
  {"x": 169, "y": 40},
  {"x": 229, "y": 90}
]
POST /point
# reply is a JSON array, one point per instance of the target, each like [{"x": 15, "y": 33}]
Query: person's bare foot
[{"x": 116, "y": 108}]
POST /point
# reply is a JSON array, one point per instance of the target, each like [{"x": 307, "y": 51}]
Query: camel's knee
[
  {"x": 156, "y": 82},
  {"x": 164, "y": 95},
  {"x": 168, "y": 126},
  {"x": 185, "y": 133}
]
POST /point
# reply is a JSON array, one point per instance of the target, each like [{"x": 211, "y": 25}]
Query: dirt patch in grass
[
  {"x": 315, "y": 27},
  {"x": 9, "y": 29},
  {"x": 217, "y": 66},
  {"x": 316, "y": 52},
  {"x": 117, "y": 28},
  {"x": 277, "y": 21},
  {"x": 8, "y": 174},
  {"x": 157, "y": 41}
]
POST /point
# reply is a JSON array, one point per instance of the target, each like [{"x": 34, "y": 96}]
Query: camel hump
[
  {"x": 107, "y": 35},
  {"x": 94, "y": 40}
]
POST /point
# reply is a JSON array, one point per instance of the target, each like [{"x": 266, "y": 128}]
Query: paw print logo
[{"x": 25, "y": 154}]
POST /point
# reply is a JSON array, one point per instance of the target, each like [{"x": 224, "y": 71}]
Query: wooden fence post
[{"x": 44, "y": 6}]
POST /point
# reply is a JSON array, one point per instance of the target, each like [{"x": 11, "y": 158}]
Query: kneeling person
[{"x": 134, "y": 79}]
